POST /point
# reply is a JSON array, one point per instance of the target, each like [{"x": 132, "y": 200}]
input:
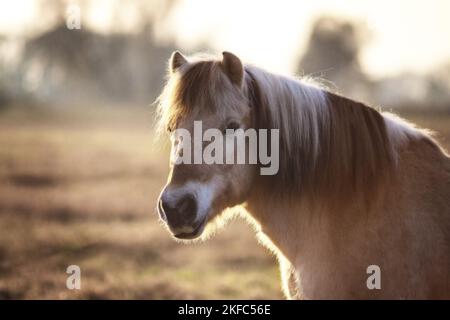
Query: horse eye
[{"x": 233, "y": 125}]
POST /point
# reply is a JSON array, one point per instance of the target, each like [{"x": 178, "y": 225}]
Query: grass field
[{"x": 81, "y": 188}]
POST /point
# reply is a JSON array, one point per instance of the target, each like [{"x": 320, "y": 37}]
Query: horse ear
[
  {"x": 176, "y": 61},
  {"x": 233, "y": 68}
]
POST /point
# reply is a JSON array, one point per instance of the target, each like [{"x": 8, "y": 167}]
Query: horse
[{"x": 357, "y": 189}]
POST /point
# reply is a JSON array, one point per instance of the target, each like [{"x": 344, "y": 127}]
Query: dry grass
[{"x": 81, "y": 189}]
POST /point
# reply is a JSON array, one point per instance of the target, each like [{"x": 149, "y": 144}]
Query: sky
[{"x": 406, "y": 35}]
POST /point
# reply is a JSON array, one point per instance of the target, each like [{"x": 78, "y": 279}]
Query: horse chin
[{"x": 196, "y": 233}]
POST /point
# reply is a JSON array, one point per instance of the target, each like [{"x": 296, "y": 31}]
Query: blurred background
[{"x": 80, "y": 168}]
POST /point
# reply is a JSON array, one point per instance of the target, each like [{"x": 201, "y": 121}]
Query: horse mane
[{"x": 331, "y": 147}]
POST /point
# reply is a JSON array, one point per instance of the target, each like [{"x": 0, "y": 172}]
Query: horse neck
[{"x": 286, "y": 227}]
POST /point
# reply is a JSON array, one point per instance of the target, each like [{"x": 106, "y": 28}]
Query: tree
[{"x": 332, "y": 53}]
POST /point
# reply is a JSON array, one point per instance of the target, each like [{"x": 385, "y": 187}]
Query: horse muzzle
[{"x": 181, "y": 215}]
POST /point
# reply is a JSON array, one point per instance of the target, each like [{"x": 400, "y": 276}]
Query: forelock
[{"x": 202, "y": 85}]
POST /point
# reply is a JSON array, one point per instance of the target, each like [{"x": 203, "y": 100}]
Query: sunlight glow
[
  {"x": 411, "y": 36},
  {"x": 406, "y": 35}
]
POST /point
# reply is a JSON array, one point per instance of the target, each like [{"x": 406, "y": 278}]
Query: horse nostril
[
  {"x": 187, "y": 208},
  {"x": 182, "y": 214}
]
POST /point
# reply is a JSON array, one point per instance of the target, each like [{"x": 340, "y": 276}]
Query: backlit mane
[{"x": 330, "y": 146}]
